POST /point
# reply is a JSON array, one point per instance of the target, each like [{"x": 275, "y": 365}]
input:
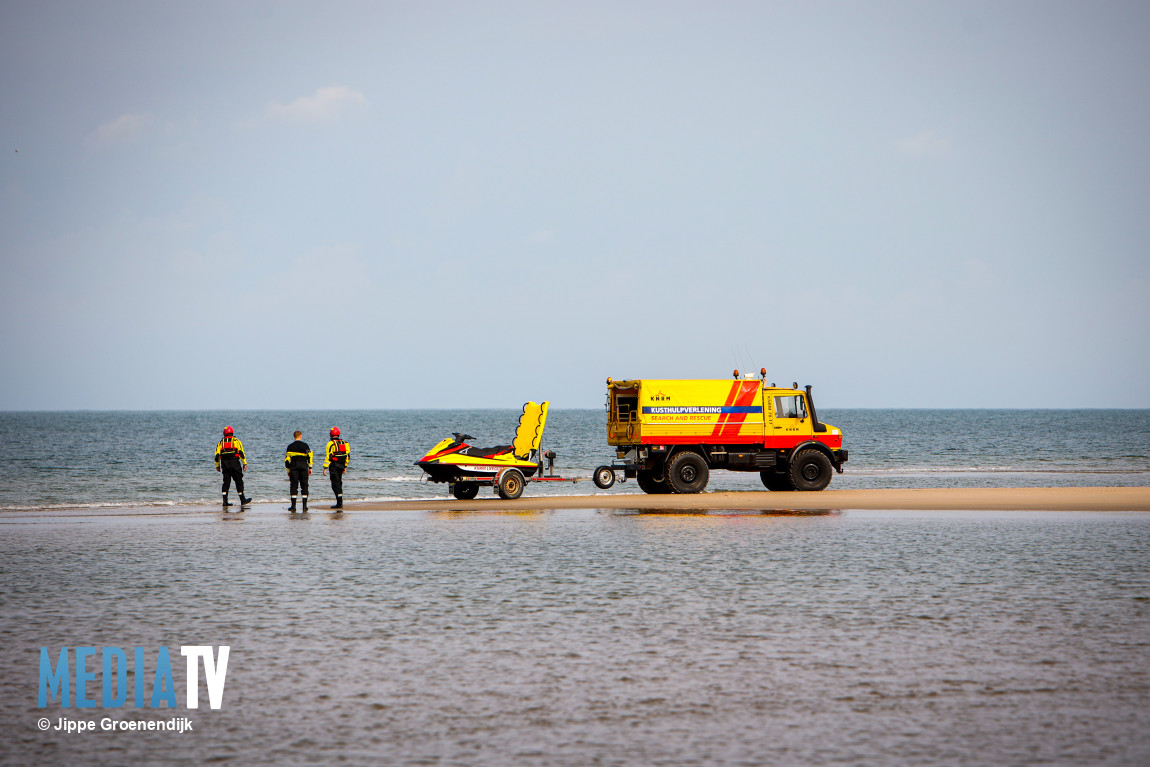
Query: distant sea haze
[{"x": 100, "y": 459}]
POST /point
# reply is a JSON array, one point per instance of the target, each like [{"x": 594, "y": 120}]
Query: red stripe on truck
[{"x": 742, "y": 393}]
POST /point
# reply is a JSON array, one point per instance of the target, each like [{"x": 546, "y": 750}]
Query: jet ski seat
[{"x": 486, "y": 452}]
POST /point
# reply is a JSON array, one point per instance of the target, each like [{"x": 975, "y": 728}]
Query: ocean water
[
  {"x": 588, "y": 637},
  {"x": 93, "y": 459}
]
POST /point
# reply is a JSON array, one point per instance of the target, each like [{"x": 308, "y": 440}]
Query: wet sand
[
  {"x": 582, "y": 636},
  {"x": 975, "y": 499}
]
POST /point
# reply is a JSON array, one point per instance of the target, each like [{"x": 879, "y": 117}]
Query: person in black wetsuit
[
  {"x": 335, "y": 460},
  {"x": 232, "y": 463},
  {"x": 297, "y": 461}
]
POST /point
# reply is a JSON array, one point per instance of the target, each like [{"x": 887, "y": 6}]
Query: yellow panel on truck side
[{"x": 668, "y": 411}]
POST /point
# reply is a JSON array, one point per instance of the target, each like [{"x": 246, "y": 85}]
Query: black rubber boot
[
  {"x": 226, "y": 500},
  {"x": 338, "y": 502},
  {"x": 305, "y": 503},
  {"x": 292, "y": 507},
  {"x": 245, "y": 501}
]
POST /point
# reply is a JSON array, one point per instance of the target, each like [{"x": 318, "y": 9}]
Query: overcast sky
[{"x": 426, "y": 204}]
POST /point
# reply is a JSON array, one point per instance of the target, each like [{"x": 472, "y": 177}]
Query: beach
[
  {"x": 495, "y": 632},
  {"x": 1108, "y": 499}
]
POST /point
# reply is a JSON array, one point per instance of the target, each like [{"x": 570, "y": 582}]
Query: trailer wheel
[
  {"x": 465, "y": 491},
  {"x": 604, "y": 477},
  {"x": 510, "y": 485},
  {"x": 775, "y": 481},
  {"x": 648, "y": 484},
  {"x": 687, "y": 472},
  {"x": 810, "y": 470}
]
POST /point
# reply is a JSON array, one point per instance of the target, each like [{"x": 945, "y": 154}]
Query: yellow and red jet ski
[{"x": 466, "y": 467}]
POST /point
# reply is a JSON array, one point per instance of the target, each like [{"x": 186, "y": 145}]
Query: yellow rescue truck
[{"x": 669, "y": 434}]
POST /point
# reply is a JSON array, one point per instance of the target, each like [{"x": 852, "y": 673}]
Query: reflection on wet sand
[
  {"x": 457, "y": 513},
  {"x": 725, "y": 512}
]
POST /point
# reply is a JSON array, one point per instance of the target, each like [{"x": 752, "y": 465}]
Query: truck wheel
[
  {"x": 687, "y": 472},
  {"x": 648, "y": 484},
  {"x": 604, "y": 477},
  {"x": 810, "y": 470},
  {"x": 465, "y": 491},
  {"x": 775, "y": 481},
  {"x": 510, "y": 485}
]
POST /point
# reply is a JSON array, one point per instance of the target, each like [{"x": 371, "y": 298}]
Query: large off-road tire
[
  {"x": 810, "y": 470},
  {"x": 465, "y": 491},
  {"x": 687, "y": 473},
  {"x": 603, "y": 477},
  {"x": 772, "y": 480},
  {"x": 648, "y": 483},
  {"x": 511, "y": 485}
]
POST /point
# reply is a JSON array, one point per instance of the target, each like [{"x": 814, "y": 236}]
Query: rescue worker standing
[
  {"x": 335, "y": 461},
  {"x": 232, "y": 463},
  {"x": 297, "y": 461}
]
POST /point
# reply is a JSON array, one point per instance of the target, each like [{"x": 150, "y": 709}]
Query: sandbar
[
  {"x": 970, "y": 499},
  {"x": 930, "y": 499}
]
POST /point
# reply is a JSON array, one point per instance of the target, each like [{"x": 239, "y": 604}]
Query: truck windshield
[{"x": 790, "y": 407}]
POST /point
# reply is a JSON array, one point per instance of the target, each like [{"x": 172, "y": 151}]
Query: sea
[
  {"x": 589, "y": 636},
  {"x": 164, "y": 458}
]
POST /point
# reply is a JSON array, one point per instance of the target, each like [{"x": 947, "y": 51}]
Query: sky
[{"x": 305, "y": 205}]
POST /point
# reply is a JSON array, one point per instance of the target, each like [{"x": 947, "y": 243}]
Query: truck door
[
  {"x": 623, "y": 415},
  {"x": 788, "y": 419}
]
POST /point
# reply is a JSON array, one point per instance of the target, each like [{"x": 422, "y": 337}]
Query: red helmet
[
  {"x": 334, "y": 431},
  {"x": 229, "y": 431}
]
